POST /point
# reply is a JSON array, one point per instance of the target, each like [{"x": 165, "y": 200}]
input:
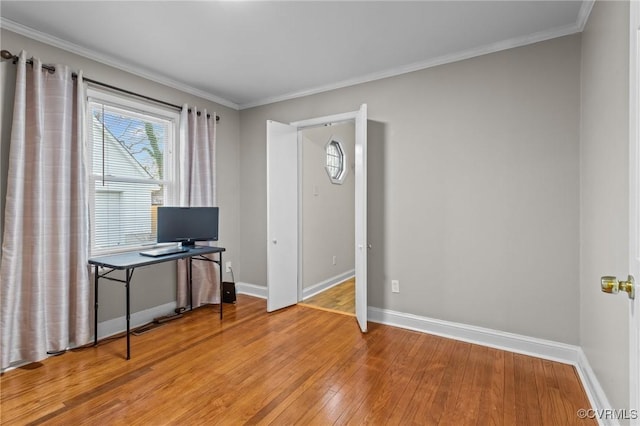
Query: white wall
[
  {"x": 604, "y": 202},
  {"x": 328, "y": 209},
  {"x": 473, "y": 184},
  {"x": 153, "y": 286}
]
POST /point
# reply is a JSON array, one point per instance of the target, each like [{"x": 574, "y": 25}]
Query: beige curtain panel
[
  {"x": 45, "y": 290},
  {"x": 197, "y": 188}
]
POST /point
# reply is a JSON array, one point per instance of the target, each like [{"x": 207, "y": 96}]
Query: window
[
  {"x": 336, "y": 160},
  {"x": 131, "y": 145}
]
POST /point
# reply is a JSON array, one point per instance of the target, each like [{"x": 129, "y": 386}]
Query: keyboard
[{"x": 163, "y": 251}]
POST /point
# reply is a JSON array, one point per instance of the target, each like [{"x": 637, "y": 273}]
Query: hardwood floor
[
  {"x": 294, "y": 366},
  {"x": 340, "y": 298}
]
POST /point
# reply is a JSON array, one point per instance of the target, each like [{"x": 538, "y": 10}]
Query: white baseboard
[
  {"x": 327, "y": 284},
  {"x": 251, "y": 290},
  {"x": 597, "y": 397},
  {"x": 545, "y": 349},
  {"x": 118, "y": 325},
  {"x": 540, "y": 348},
  {"x": 261, "y": 291}
]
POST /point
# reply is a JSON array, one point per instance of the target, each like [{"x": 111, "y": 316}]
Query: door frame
[
  {"x": 634, "y": 206},
  {"x": 358, "y": 116},
  {"x": 302, "y": 125}
]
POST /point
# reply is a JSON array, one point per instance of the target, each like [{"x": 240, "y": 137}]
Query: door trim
[
  {"x": 634, "y": 207},
  {"x": 321, "y": 121},
  {"x": 360, "y": 219}
]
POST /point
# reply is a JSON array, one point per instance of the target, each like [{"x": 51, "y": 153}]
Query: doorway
[
  {"x": 284, "y": 284},
  {"x": 327, "y": 219}
]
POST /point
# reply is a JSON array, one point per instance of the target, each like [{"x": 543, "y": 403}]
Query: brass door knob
[{"x": 609, "y": 284}]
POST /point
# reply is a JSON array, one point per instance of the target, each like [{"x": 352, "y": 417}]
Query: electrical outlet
[
  {"x": 227, "y": 266},
  {"x": 334, "y": 260},
  {"x": 395, "y": 286}
]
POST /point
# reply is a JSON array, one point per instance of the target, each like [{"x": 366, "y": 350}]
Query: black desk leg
[
  {"x": 95, "y": 305},
  {"x": 129, "y": 272},
  {"x": 220, "y": 267},
  {"x": 190, "y": 283}
]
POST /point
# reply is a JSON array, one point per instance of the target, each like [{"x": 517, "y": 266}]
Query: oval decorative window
[{"x": 336, "y": 161}]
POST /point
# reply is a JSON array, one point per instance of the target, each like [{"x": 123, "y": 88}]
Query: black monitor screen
[{"x": 187, "y": 224}]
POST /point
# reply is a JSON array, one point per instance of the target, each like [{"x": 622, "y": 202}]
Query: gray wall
[
  {"x": 7, "y": 91},
  {"x": 151, "y": 286},
  {"x": 328, "y": 209},
  {"x": 473, "y": 188},
  {"x": 604, "y": 202},
  {"x": 493, "y": 183}
]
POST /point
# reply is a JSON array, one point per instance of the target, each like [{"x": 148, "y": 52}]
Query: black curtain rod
[{"x": 9, "y": 56}]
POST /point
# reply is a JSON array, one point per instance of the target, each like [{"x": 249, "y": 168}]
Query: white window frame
[
  {"x": 170, "y": 159},
  {"x": 339, "y": 179}
]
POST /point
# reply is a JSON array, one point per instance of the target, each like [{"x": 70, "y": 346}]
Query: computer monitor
[{"x": 187, "y": 225}]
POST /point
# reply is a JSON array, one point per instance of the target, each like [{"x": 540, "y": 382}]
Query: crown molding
[
  {"x": 110, "y": 61},
  {"x": 417, "y": 66},
  {"x": 577, "y": 27},
  {"x": 583, "y": 14}
]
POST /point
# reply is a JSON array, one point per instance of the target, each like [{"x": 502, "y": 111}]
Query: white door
[
  {"x": 634, "y": 210},
  {"x": 282, "y": 215},
  {"x": 361, "y": 217}
]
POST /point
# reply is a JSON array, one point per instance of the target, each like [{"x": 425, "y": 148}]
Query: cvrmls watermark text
[{"x": 607, "y": 414}]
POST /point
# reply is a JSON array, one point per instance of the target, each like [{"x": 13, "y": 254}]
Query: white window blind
[{"x": 131, "y": 150}]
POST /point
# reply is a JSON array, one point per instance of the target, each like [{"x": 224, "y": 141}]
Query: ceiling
[{"x": 247, "y": 53}]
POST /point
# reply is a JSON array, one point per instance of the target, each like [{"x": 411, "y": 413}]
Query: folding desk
[{"x": 129, "y": 261}]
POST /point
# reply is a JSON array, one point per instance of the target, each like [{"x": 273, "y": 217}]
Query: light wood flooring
[
  {"x": 295, "y": 366},
  {"x": 340, "y": 298}
]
